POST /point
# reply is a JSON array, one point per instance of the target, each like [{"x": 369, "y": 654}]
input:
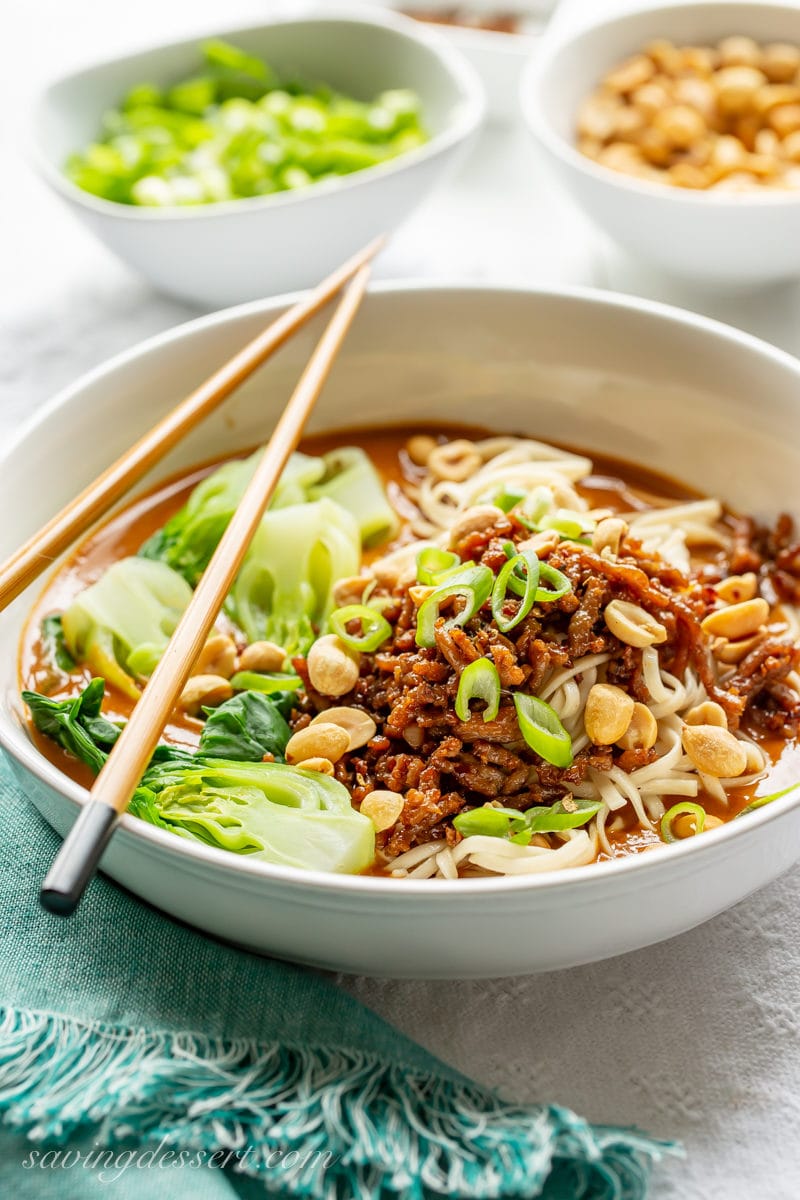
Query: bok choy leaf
[{"x": 245, "y": 728}]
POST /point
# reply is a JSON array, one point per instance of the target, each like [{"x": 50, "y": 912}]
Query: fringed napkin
[{"x": 139, "y": 1055}]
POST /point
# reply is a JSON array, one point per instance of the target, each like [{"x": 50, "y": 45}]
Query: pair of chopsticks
[{"x": 83, "y": 846}]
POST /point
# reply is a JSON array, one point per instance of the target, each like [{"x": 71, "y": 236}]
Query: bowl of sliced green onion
[{"x": 254, "y": 161}]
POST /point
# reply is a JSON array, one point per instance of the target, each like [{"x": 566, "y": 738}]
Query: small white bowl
[
  {"x": 220, "y": 254},
  {"x": 614, "y": 375},
  {"x": 731, "y": 240}
]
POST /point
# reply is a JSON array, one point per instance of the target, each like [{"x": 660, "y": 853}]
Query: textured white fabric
[{"x": 697, "y": 1038}]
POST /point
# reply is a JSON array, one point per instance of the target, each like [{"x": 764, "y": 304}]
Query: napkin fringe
[{"x": 318, "y": 1124}]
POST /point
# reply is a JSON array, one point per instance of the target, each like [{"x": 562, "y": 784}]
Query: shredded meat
[{"x": 442, "y": 765}]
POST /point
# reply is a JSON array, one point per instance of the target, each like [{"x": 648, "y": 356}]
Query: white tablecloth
[{"x": 696, "y": 1038}]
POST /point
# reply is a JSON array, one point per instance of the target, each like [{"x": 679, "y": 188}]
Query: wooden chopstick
[
  {"x": 83, "y": 846},
  {"x": 28, "y": 562}
]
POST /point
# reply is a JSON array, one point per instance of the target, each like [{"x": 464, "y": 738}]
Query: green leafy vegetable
[
  {"x": 233, "y": 129},
  {"x": 190, "y": 537},
  {"x": 375, "y": 629},
  {"x": 268, "y": 811},
  {"x": 77, "y": 724},
  {"x": 560, "y": 816},
  {"x": 489, "y": 821},
  {"x": 479, "y": 681},
  {"x": 352, "y": 481},
  {"x": 542, "y": 730},
  {"x": 284, "y": 588},
  {"x": 120, "y": 625},
  {"x": 55, "y": 647},
  {"x": 245, "y": 728},
  {"x": 473, "y": 586}
]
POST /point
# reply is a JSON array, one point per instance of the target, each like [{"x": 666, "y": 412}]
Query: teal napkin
[{"x": 141, "y": 1058}]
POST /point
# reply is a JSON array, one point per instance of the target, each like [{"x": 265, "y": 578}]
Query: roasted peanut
[
  {"x": 739, "y": 51},
  {"x": 454, "y": 461},
  {"x": 477, "y": 519},
  {"x": 333, "y": 668},
  {"x": 714, "y": 751},
  {"x": 685, "y": 825},
  {"x": 642, "y": 733},
  {"x": 323, "y": 766},
  {"x": 737, "y": 588},
  {"x": 631, "y": 74},
  {"x": 358, "y": 725},
  {"x": 608, "y": 535},
  {"x": 419, "y": 447},
  {"x": 785, "y": 119},
  {"x": 733, "y": 652},
  {"x": 737, "y": 87},
  {"x": 324, "y": 740},
  {"x": 633, "y": 625},
  {"x": 608, "y": 714},
  {"x": 542, "y": 544},
  {"x": 382, "y": 808},
  {"x": 262, "y": 656},
  {"x": 780, "y": 62},
  {"x": 204, "y": 691},
  {"x": 419, "y": 593},
  {"x": 680, "y": 125},
  {"x": 707, "y": 713},
  {"x": 218, "y": 657},
  {"x": 737, "y": 620}
]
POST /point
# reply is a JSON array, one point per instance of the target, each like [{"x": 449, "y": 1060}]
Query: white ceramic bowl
[
  {"x": 225, "y": 253},
  {"x": 716, "y": 239},
  {"x": 653, "y": 384}
]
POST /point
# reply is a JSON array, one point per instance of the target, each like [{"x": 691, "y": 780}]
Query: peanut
[
  {"x": 707, "y": 713},
  {"x": 685, "y": 825},
  {"x": 419, "y": 448},
  {"x": 204, "y": 691},
  {"x": 358, "y": 725},
  {"x": 736, "y": 588},
  {"x": 383, "y": 809},
  {"x": 325, "y": 740},
  {"x": 633, "y": 625},
  {"x": 323, "y": 766},
  {"x": 333, "y": 668},
  {"x": 263, "y": 657},
  {"x": 714, "y": 751},
  {"x": 218, "y": 657},
  {"x": 642, "y": 733},
  {"x": 477, "y": 519},
  {"x": 608, "y": 535},
  {"x": 608, "y": 714},
  {"x": 737, "y": 620}
]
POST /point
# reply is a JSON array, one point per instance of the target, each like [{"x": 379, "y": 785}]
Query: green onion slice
[
  {"x": 557, "y": 817},
  {"x": 560, "y": 585},
  {"x": 473, "y": 585},
  {"x": 479, "y": 681},
  {"x": 505, "y": 583},
  {"x": 678, "y": 810},
  {"x": 542, "y": 730},
  {"x": 375, "y": 629},
  {"x": 254, "y": 681},
  {"x": 489, "y": 821},
  {"x": 760, "y": 801},
  {"x": 508, "y": 498},
  {"x": 433, "y": 562},
  {"x": 533, "y": 508}
]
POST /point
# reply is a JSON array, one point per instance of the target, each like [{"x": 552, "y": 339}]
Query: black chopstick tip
[{"x": 77, "y": 859}]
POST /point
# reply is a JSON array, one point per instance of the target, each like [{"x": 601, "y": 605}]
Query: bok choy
[{"x": 120, "y": 625}]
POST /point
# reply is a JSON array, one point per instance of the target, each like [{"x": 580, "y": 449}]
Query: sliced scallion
[
  {"x": 479, "y": 681},
  {"x": 560, "y": 585},
  {"x": 490, "y": 821},
  {"x": 432, "y": 562},
  {"x": 558, "y": 817},
  {"x": 687, "y": 808},
  {"x": 760, "y": 801},
  {"x": 255, "y": 681},
  {"x": 473, "y": 585},
  {"x": 375, "y": 629},
  {"x": 504, "y": 582},
  {"x": 508, "y": 498},
  {"x": 542, "y": 730}
]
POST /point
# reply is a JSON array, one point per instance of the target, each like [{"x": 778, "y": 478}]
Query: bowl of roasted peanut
[{"x": 677, "y": 129}]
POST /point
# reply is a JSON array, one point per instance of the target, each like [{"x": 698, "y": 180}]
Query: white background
[{"x": 697, "y": 1038}]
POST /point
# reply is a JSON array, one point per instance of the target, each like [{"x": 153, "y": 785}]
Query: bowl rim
[
  {"x": 22, "y": 749},
  {"x": 469, "y": 115},
  {"x": 533, "y": 111}
]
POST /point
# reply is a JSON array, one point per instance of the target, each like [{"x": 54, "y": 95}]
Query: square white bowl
[{"x": 221, "y": 254}]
